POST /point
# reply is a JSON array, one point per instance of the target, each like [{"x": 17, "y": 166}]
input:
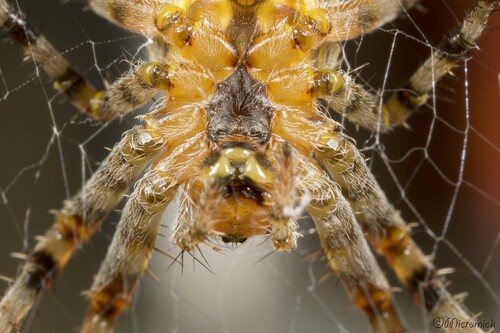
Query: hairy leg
[
  {"x": 130, "y": 250},
  {"x": 387, "y": 231},
  {"x": 349, "y": 255},
  {"x": 365, "y": 109},
  {"x": 353, "y": 19},
  {"x": 125, "y": 95},
  {"x": 37, "y": 47},
  {"x": 76, "y": 222},
  {"x": 129, "y": 253},
  {"x": 131, "y": 91},
  {"x": 136, "y": 15}
]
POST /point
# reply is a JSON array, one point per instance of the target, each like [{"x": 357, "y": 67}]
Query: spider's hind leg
[
  {"x": 129, "y": 253},
  {"x": 79, "y": 219},
  {"x": 135, "y": 237},
  {"x": 349, "y": 255},
  {"x": 386, "y": 230}
]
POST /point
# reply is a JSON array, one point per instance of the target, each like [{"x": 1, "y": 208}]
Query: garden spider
[{"x": 241, "y": 131}]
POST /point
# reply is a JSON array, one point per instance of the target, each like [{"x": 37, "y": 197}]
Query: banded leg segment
[
  {"x": 76, "y": 222},
  {"x": 456, "y": 46},
  {"x": 134, "y": 89},
  {"x": 129, "y": 253},
  {"x": 387, "y": 231},
  {"x": 66, "y": 79},
  {"x": 364, "y": 108},
  {"x": 350, "y": 257},
  {"x": 131, "y": 91},
  {"x": 358, "y": 105},
  {"x": 130, "y": 250}
]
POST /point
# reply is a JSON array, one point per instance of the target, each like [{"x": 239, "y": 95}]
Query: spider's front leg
[
  {"x": 349, "y": 255},
  {"x": 76, "y": 222},
  {"x": 353, "y": 19},
  {"x": 128, "y": 93},
  {"x": 365, "y": 109}
]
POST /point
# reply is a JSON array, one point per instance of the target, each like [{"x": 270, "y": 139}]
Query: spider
[{"x": 242, "y": 137}]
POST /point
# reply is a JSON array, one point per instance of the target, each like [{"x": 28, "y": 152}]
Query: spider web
[{"x": 442, "y": 173}]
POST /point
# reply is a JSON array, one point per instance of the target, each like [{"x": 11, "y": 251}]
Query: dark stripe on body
[{"x": 243, "y": 188}]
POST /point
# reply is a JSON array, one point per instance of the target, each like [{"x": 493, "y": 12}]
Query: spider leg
[
  {"x": 134, "y": 241},
  {"x": 349, "y": 255},
  {"x": 284, "y": 194},
  {"x": 76, "y": 222},
  {"x": 365, "y": 109},
  {"x": 387, "y": 231},
  {"x": 129, "y": 253},
  {"x": 125, "y": 95},
  {"x": 352, "y": 19},
  {"x": 292, "y": 30},
  {"x": 37, "y": 47},
  {"x": 158, "y": 50},
  {"x": 131, "y": 91},
  {"x": 135, "y": 15},
  {"x": 179, "y": 23},
  {"x": 456, "y": 46}
]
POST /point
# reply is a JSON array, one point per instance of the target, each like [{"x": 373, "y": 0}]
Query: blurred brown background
[{"x": 279, "y": 294}]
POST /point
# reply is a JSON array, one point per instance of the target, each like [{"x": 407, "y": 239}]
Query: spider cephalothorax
[{"x": 240, "y": 135}]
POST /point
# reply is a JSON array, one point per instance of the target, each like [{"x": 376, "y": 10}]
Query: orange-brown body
[{"x": 239, "y": 134}]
